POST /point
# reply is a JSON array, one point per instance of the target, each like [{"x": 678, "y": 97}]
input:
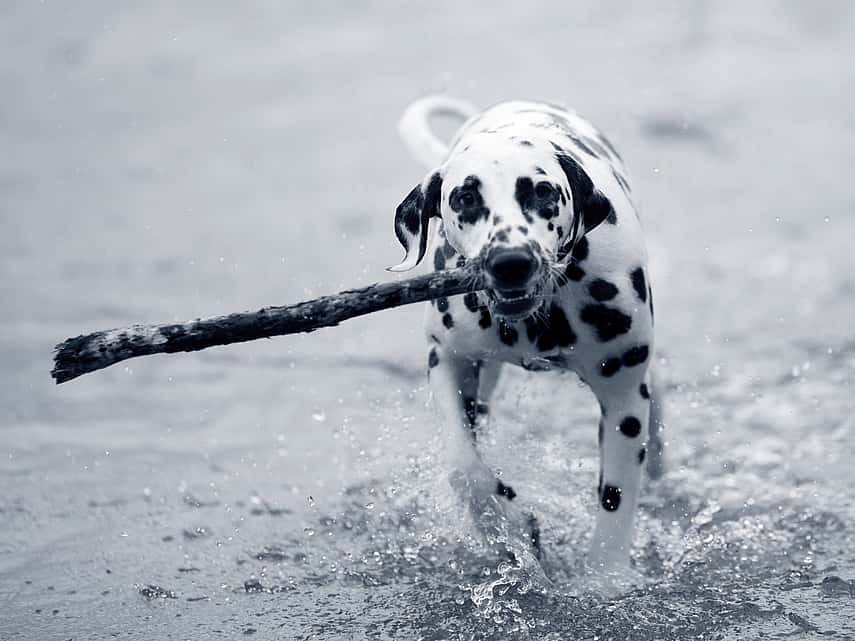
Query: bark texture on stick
[{"x": 88, "y": 353}]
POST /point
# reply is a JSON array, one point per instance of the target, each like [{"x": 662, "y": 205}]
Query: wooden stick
[{"x": 83, "y": 354}]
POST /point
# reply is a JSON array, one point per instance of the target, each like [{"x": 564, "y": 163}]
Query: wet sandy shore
[{"x": 163, "y": 163}]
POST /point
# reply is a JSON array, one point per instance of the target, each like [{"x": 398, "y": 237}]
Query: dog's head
[{"x": 515, "y": 206}]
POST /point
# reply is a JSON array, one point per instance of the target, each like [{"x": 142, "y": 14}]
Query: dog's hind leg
[{"x": 655, "y": 438}]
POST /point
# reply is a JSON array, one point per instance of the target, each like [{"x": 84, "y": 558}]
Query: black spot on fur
[
  {"x": 635, "y": 356},
  {"x": 608, "y": 322},
  {"x": 524, "y": 192},
  {"x": 610, "y": 367},
  {"x": 471, "y": 302},
  {"x": 574, "y": 272},
  {"x": 642, "y": 454},
  {"x": 526, "y": 143},
  {"x": 482, "y": 409},
  {"x": 448, "y": 321},
  {"x": 505, "y": 490},
  {"x": 467, "y": 201},
  {"x": 611, "y": 498},
  {"x": 439, "y": 259},
  {"x": 630, "y": 427},
  {"x": 433, "y": 359},
  {"x": 442, "y": 304},
  {"x": 507, "y": 333},
  {"x": 602, "y": 290},
  {"x": 601, "y": 432},
  {"x": 501, "y": 236},
  {"x": 644, "y": 391},
  {"x": 639, "y": 283},
  {"x": 486, "y": 320},
  {"x": 539, "y": 171},
  {"x": 523, "y": 230},
  {"x": 551, "y": 332},
  {"x": 541, "y": 198}
]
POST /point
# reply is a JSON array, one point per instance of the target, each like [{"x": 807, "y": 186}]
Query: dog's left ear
[
  {"x": 590, "y": 206},
  {"x": 412, "y": 218}
]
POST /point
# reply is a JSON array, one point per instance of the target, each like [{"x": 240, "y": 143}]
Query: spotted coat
[{"x": 540, "y": 176}]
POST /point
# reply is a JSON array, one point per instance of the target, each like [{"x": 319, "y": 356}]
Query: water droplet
[
  {"x": 319, "y": 415},
  {"x": 369, "y": 506}
]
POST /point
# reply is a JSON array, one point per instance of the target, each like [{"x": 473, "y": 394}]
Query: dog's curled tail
[{"x": 414, "y": 126}]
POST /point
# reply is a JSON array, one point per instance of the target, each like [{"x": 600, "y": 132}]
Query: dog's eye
[
  {"x": 543, "y": 190},
  {"x": 466, "y": 199}
]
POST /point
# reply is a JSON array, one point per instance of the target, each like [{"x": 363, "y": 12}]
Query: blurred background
[{"x": 163, "y": 161}]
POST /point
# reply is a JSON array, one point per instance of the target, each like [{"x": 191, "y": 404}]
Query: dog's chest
[{"x": 550, "y": 338}]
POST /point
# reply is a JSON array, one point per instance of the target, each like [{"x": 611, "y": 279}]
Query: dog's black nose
[{"x": 511, "y": 268}]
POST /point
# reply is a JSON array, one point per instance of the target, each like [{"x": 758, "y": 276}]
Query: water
[{"x": 164, "y": 163}]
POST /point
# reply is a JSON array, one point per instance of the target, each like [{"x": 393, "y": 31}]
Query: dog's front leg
[
  {"x": 454, "y": 392},
  {"x": 454, "y": 382},
  {"x": 623, "y": 448}
]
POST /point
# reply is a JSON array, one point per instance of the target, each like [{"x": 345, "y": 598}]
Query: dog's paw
[{"x": 609, "y": 581}]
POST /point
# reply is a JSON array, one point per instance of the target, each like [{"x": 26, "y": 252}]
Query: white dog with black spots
[{"x": 541, "y": 200}]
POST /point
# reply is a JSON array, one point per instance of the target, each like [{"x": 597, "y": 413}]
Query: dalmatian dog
[{"x": 540, "y": 200}]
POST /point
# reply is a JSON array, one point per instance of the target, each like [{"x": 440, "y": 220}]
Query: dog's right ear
[{"x": 412, "y": 218}]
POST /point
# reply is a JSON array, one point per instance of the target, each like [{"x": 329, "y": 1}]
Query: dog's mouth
[{"x": 514, "y": 304}]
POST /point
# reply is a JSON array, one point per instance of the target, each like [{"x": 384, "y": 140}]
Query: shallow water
[{"x": 168, "y": 163}]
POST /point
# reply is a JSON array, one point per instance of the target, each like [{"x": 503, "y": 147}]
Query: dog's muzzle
[{"x": 513, "y": 279}]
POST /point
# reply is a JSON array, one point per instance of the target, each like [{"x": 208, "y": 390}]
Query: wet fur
[{"x": 539, "y": 176}]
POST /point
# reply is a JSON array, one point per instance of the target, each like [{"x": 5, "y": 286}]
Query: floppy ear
[
  {"x": 590, "y": 206},
  {"x": 412, "y": 218}
]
